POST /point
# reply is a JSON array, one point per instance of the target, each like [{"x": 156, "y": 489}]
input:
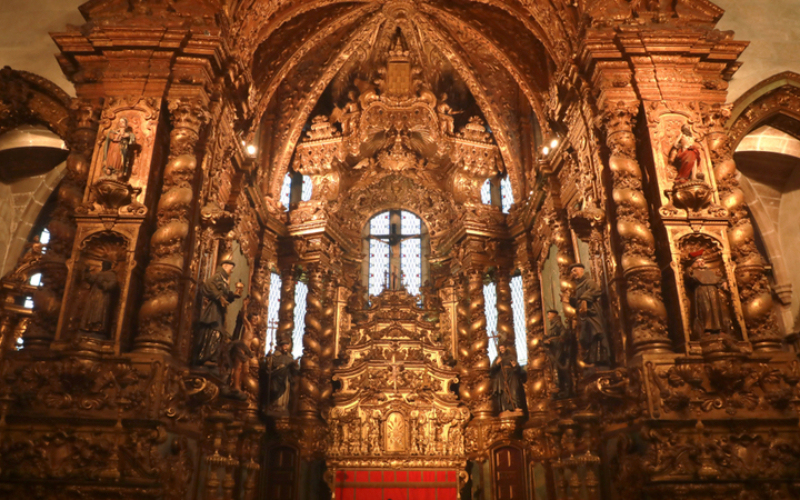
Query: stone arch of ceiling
[
  {"x": 770, "y": 175},
  {"x": 324, "y": 36}
]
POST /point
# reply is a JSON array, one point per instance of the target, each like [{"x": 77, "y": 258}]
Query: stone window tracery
[
  {"x": 396, "y": 243},
  {"x": 518, "y": 309},
  {"x": 490, "y": 310},
  {"x": 296, "y": 187},
  {"x": 300, "y": 295},
  {"x": 274, "y": 305},
  {"x": 498, "y": 193}
]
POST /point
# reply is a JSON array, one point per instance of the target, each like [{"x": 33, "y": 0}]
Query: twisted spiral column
[
  {"x": 539, "y": 379},
  {"x": 462, "y": 338},
  {"x": 642, "y": 276},
  {"x": 755, "y": 292},
  {"x": 309, "y": 385},
  {"x": 158, "y": 316},
  {"x": 480, "y": 386},
  {"x": 505, "y": 315},
  {"x": 47, "y": 299},
  {"x": 286, "y": 310},
  {"x": 327, "y": 339}
]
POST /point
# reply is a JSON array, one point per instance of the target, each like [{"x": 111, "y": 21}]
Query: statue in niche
[
  {"x": 99, "y": 303},
  {"x": 507, "y": 377},
  {"x": 118, "y": 150},
  {"x": 357, "y": 302},
  {"x": 590, "y": 318},
  {"x": 33, "y": 251},
  {"x": 374, "y": 432},
  {"x": 278, "y": 372},
  {"x": 685, "y": 156},
  {"x": 445, "y": 112},
  {"x": 560, "y": 343},
  {"x": 212, "y": 333},
  {"x": 431, "y": 302},
  {"x": 709, "y": 297},
  {"x": 240, "y": 354}
]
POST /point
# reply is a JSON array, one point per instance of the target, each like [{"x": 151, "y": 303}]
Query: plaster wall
[
  {"x": 25, "y": 43},
  {"x": 773, "y": 29},
  {"x": 20, "y": 204}
]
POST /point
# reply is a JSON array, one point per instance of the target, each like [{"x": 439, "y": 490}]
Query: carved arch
[
  {"x": 777, "y": 95},
  {"x": 26, "y": 98},
  {"x": 774, "y": 102}
]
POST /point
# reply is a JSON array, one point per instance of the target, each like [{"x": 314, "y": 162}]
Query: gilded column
[
  {"x": 505, "y": 315},
  {"x": 327, "y": 338},
  {"x": 755, "y": 293},
  {"x": 309, "y": 385},
  {"x": 286, "y": 311},
  {"x": 47, "y": 299},
  {"x": 461, "y": 291},
  {"x": 642, "y": 277},
  {"x": 538, "y": 384},
  {"x": 565, "y": 257},
  {"x": 480, "y": 386},
  {"x": 159, "y": 313}
]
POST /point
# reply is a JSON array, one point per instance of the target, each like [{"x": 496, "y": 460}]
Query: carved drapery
[
  {"x": 640, "y": 271},
  {"x": 168, "y": 246}
]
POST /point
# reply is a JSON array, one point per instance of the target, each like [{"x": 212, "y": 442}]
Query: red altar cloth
[{"x": 396, "y": 485}]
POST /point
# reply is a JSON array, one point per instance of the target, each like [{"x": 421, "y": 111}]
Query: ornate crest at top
[{"x": 396, "y": 124}]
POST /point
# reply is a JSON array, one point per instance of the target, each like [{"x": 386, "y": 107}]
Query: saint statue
[
  {"x": 591, "y": 320},
  {"x": 217, "y": 295},
  {"x": 560, "y": 342},
  {"x": 240, "y": 354},
  {"x": 685, "y": 156},
  {"x": 507, "y": 380},
  {"x": 711, "y": 313},
  {"x": 99, "y": 304},
  {"x": 445, "y": 112},
  {"x": 33, "y": 251},
  {"x": 278, "y": 370},
  {"x": 118, "y": 150},
  {"x": 431, "y": 302}
]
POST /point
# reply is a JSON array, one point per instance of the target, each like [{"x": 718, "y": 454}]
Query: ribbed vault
[{"x": 487, "y": 53}]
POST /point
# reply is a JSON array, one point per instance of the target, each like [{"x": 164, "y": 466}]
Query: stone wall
[{"x": 20, "y": 205}]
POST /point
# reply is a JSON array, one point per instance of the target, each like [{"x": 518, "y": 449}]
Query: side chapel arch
[{"x": 765, "y": 135}]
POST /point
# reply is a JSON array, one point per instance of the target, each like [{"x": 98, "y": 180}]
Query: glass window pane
[
  {"x": 490, "y": 310},
  {"x": 486, "y": 192},
  {"x": 410, "y": 224},
  {"x": 308, "y": 186},
  {"x": 286, "y": 191},
  {"x": 273, "y": 307},
  {"x": 379, "y": 225},
  {"x": 300, "y": 294},
  {"x": 518, "y": 309},
  {"x": 378, "y": 266},
  {"x": 506, "y": 195},
  {"x": 411, "y": 264},
  {"x": 44, "y": 237},
  {"x": 35, "y": 279}
]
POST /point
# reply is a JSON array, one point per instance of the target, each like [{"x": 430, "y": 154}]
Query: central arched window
[{"x": 396, "y": 243}]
